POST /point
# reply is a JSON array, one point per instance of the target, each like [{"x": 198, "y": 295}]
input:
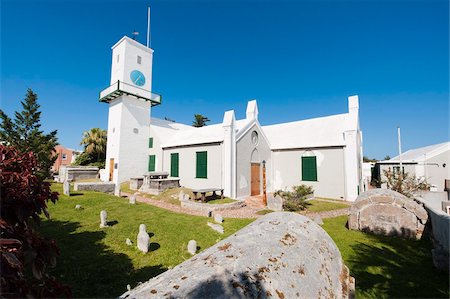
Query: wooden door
[
  {"x": 255, "y": 179},
  {"x": 111, "y": 169}
]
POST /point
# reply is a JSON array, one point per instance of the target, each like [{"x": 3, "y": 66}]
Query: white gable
[{"x": 419, "y": 154}]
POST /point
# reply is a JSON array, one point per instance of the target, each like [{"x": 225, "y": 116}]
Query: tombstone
[
  {"x": 386, "y": 212},
  {"x": 186, "y": 197},
  {"x": 103, "y": 219},
  {"x": 192, "y": 247},
  {"x": 317, "y": 219},
  {"x": 181, "y": 196},
  {"x": 217, "y": 227},
  {"x": 143, "y": 239},
  {"x": 218, "y": 218},
  {"x": 274, "y": 203},
  {"x": 78, "y": 207},
  {"x": 66, "y": 188},
  {"x": 117, "y": 190},
  {"x": 128, "y": 242},
  {"x": 133, "y": 199}
]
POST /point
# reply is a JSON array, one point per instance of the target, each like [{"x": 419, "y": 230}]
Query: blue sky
[{"x": 299, "y": 59}]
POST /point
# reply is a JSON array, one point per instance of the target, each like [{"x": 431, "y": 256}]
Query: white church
[{"x": 325, "y": 152}]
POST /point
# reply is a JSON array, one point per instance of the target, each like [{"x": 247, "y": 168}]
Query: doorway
[
  {"x": 255, "y": 179},
  {"x": 111, "y": 169}
]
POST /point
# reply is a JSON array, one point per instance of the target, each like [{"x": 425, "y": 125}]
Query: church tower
[{"x": 130, "y": 100}]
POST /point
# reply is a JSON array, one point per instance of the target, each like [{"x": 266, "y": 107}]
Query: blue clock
[{"x": 137, "y": 78}]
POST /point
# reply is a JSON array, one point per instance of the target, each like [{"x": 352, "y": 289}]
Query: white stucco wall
[
  {"x": 330, "y": 171},
  {"x": 187, "y": 165},
  {"x": 244, "y": 150},
  {"x": 156, "y": 150},
  {"x": 436, "y": 173}
]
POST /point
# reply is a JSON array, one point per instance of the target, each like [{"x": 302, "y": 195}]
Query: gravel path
[{"x": 248, "y": 211}]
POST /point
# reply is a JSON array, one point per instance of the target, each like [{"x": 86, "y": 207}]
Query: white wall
[
  {"x": 187, "y": 165},
  {"x": 244, "y": 150},
  {"x": 330, "y": 171},
  {"x": 437, "y": 174}
]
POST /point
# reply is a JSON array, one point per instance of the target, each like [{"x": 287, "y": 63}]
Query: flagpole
[
  {"x": 148, "y": 28},
  {"x": 400, "y": 151}
]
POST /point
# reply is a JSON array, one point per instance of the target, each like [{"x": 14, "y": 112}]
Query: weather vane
[{"x": 135, "y": 34}]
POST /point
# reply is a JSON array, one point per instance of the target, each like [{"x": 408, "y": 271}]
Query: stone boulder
[
  {"x": 280, "y": 255},
  {"x": 274, "y": 203},
  {"x": 386, "y": 212}
]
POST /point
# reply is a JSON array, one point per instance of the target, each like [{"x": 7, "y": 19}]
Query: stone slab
[{"x": 106, "y": 187}]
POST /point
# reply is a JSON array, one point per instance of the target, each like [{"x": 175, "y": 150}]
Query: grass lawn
[
  {"x": 97, "y": 263},
  {"x": 388, "y": 267},
  {"x": 221, "y": 201},
  {"x": 320, "y": 206}
]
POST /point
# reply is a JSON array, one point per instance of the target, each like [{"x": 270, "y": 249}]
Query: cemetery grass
[
  {"x": 221, "y": 201},
  {"x": 97, "y": 263},
  {"x": 388, "y": 267},
  {"x": 321, "y": 206}
]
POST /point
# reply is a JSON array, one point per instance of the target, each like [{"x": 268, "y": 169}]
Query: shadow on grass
[
  {"x": 88, "y": 266},
  {"x": 397, "y": 268}
]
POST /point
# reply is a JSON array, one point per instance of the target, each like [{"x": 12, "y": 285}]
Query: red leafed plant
[{"x": 25, "y": 255}]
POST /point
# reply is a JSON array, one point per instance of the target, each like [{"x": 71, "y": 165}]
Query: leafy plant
[
  {"x": 94, "y": 142},
  {"x": 405, "y": 184},
  {"x": 25, "y": 255},
  {"x": 25, "y": 135},
  {"x": 199, "y": 120},
  {"x": 295, "y": 200}
]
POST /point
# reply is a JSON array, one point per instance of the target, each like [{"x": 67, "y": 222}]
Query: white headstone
[
  {"x": 143, "y": 239},
  {"x": 117, "y": 190},
  {"x": 128, "y": 242},
  {"x": 103, "y": 219},
  {"x": 217, "y": 227},
  {"x": 218, "y": 218},
  {"x": 133, "y": 199},
  {"x": 181, "y": 196},
  {"x": 274, "y": 203},
  {"x": 192, "y": 247},
  {"x": 186, "y": 197},
  {"x": 78, "y": 207},
  {"x": 66, "y": 188}
]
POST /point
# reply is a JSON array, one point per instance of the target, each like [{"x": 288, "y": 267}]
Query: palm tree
[
  {"x": 94, "y": 142},
  {"x": 199, "y": 120}
]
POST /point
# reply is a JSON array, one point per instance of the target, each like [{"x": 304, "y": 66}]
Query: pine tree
[{"x": 25, "y": 135}]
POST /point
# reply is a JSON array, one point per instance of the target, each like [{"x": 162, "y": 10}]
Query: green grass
[
  {"x": 388, "y": 267},
  {"x": 320, "y": 206},
  {"x": 97, "y": 263},
  {"x": 264, "y": 212},
  {"x": 221, "y": 201}
]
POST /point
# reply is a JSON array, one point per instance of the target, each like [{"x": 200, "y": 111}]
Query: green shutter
[
  {"x": 151, "y": 162},
  {"x": 174, "y": 165},
  {"x": 202, "y": 165},
  {"x": 309, "y": 169},
  {"x": 150, "y": 142}
]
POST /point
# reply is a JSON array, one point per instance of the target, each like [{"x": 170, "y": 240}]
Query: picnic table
[{"x": 203, "y": 192}]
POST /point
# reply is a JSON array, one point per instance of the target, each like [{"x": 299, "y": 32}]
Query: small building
[
  {"x": 66, "y": 156},
  {"x": 237, "y": 156},
  {"x": 429, "y": 163}
]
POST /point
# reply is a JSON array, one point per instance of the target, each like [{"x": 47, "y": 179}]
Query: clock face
[{"x": 137, "y": 78}]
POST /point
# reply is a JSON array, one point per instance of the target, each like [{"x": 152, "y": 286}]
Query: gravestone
[
  {"x": 192, "y": 247},
  {"x": 78, "y": 207},
  {"x": 279, "y": 255},
  {"x": 181, "y": 196},
  {"x": 217, "y": 227},
  {"x": 143, "y": 239},
  {"x": 133, "y": 199},
  {"x": 218, "y": 218},
  {"x": 128, "y": 242},
  {"x": 117, "y": 190},
  {"x": 386, "y": 212},
  {"x": 274, "y": 203},
  {"x": 186, "y": 197},
  {"x": 66, "y": 188},
  {"x": 103, "y": 219}
]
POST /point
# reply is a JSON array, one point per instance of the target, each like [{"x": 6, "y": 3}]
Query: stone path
[{"x": 254, "y": 204}]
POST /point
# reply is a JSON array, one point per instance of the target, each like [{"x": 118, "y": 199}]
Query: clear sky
[{"x": 299, "y": 59}]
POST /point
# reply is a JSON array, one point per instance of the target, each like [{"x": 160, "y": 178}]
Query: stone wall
[
  {"x": 280, "y": 255},
  {"x": 106, "y": 187},
  {"x": 387, "y": 212}
]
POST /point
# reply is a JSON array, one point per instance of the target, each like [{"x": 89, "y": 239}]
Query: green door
[{"x": 174, "y": 158}]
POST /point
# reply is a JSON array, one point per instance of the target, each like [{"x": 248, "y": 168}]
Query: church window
[{"x": 139, "y": 59}]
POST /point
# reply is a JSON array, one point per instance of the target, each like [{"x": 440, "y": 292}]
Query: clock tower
[{"x": 130, "y": 100}]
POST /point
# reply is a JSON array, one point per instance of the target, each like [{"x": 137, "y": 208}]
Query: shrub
[
  {"x": 405, "y": 184},
  {"x": 25, "y": 255},
  {"x": 295, "y": 200}
]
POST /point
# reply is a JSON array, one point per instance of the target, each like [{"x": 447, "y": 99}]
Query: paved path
[{"x": 254, "y": 204}]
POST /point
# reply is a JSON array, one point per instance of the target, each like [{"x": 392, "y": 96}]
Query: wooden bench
[{"x": 204, "y": 191}]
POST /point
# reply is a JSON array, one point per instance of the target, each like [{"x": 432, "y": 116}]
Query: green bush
[{"x": 295, "y": 200}]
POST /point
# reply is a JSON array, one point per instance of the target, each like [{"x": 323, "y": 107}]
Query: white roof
[
  {"x": 316, "y": 132},
  {"x": 422, "y": 153},
  {"x": 174, "y": 134}
]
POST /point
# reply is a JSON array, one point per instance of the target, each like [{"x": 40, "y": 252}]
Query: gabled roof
[
  {"x": 422, "y": 153},
  {"x": 316, "y": 132},
  {"x": 188, "y": 135}
]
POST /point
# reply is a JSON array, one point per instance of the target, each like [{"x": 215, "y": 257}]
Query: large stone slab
[
  {"x": 107, "y": 187},
  {"x": 387, "y": 212},
  {"x": 280, "y": 255},
  {"x": 274, "y": 203}
]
